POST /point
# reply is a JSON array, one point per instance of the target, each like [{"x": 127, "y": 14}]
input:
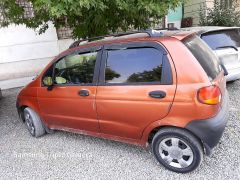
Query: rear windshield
[
  {"x": 224, "y": 38},
  {"x": 205, "y": 56}
]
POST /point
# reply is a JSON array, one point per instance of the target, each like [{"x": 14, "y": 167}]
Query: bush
[
  {"x": 222, "y": 14},
  {"x": 86, "y": 18}
]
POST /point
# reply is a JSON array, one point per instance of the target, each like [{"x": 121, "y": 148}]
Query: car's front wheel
[
  {"x": 33, "y": 122},
  {"x": 177, "y": 149}
]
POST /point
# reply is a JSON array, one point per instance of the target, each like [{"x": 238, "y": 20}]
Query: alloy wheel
[
  {"x": 175, "y": 152},
  {"x": 29, "y": 123}
]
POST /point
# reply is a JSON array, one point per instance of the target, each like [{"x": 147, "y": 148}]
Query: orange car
[{"x": 163, "y": 88}]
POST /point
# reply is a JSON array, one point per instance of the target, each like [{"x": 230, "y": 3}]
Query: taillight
[{"x": 210, "y": 95}]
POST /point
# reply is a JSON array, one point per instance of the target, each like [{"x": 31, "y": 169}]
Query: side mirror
[{"x": 48, "y": 81}]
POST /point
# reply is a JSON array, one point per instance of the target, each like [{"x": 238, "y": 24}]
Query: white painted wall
[
  {"x": 24, "y": 53},
  {"x": 64, "y": 44}
]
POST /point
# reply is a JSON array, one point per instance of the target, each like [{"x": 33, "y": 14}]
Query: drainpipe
[
  {"x": 164, "y": 22},
  {"x": 182, "y": 13},
  {"x": 0, "y": 93}
]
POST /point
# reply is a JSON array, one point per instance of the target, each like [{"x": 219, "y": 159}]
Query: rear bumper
[
  {"x": 211, "y": 130},
  {"x": 233, "y": 74}
]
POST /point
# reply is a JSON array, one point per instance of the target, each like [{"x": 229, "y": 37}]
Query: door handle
[
  {"x": 157, "y": 94},
  {"x": 83, "y": 93}
]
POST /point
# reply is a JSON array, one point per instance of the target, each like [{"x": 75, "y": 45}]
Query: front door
[
  {"x": 135, "y": 88},
  {"x": 71, "y": 101}
]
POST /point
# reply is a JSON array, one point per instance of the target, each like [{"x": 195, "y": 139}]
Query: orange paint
[{"x": 126, "y": 113}]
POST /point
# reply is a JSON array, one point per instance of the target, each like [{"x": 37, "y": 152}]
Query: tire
[
  {"x": 177, "y": 150},
  {"x": 33, "y": 122}
]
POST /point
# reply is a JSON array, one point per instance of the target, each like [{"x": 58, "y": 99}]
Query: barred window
[
  {"x": 3, "y": 18},
  {"x": 64, "y": 31},
  {"x": 27, "y": 7},
  {"x": 226, "y": 3}
]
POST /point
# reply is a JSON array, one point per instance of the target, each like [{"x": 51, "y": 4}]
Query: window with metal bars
[
  {"x": 227, "y": 3},
  {"x": 64, "y": 31},
  {"x": 27, "y": 7}
]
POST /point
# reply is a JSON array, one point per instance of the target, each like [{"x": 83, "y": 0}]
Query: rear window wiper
[{"x": 224, "y": 47}]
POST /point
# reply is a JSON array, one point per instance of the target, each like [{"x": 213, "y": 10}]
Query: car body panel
[
  {"x": 63, "y": 107},
  {"x": 126, "y": 110},
  {"x": 230, "y": 58}
]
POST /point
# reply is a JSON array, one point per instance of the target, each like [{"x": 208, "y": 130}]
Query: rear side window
[
  {"x": 205, "y": 56},
  {"x": 136, "y": 65},
  {"x": 223, "y": 38}
]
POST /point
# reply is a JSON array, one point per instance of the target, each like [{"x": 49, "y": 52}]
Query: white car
[{"x": 225, "y": 42}]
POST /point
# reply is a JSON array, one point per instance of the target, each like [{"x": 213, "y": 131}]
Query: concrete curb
[{"x": 15, "y": 83}]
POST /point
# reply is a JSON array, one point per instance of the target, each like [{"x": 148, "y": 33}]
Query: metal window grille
[
  {"x": 3, "y": 18},
  {"x": 226, "y": 3},
  {"x": 28, "y": 8},
  {"x": 64, "y": 32}
]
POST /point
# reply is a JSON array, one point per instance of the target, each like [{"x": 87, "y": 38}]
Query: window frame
[
  {"x": 97, "y": 49},
  {"x": 167, "y": 76}
]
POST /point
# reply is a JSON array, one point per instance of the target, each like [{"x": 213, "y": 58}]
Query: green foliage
[
  {"x": 146, "y": 76},
  {"x": 111, "y": 74},
  {"x": 89, "y": 18},
  {"x": 222, "y": 14}
]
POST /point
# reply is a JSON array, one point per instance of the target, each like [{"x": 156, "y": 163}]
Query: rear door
[{"x": 135, "y": 88}]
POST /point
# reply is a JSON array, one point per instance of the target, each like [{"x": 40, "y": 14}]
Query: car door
[
  {"x": 70, "y": 103},
  {"x": 136, "y": 88}
]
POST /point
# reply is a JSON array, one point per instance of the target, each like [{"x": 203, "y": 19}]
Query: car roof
[
  {"x": 132, "y": 36},
  {"x": 199, "y": 30}
]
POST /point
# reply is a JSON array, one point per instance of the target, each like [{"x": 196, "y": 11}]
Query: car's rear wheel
[
  {"x": 177, "y": 149},
  {"x": 33, "y": 122}
]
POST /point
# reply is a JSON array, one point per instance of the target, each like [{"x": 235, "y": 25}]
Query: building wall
[
  {"x": 175, "y": 16},
  {"x": 24, "y": 53},
  {"x": 192, "y": 9}
]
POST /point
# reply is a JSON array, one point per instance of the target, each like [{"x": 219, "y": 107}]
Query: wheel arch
[
  {"x": 24, "y": 104},
  {"x": 152, "y": 129},
  {"x": 156, "y": 129}
]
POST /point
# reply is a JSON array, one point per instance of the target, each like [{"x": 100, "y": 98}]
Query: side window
[
  {"x": 136, "y": 65},
  {"x": 75, "y": 69}
]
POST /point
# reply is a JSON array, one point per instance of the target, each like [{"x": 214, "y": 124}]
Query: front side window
[
  {"x": 75, "y": 69},
  {"x": 136, "y": 65}
]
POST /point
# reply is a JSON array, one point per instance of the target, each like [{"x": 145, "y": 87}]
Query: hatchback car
[
  {"x": 163, "y": 89},
  {"x": 225, "y": 42}
]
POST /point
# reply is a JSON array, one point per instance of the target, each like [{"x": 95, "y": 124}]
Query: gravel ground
[{"x": 65, "y": 155}]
